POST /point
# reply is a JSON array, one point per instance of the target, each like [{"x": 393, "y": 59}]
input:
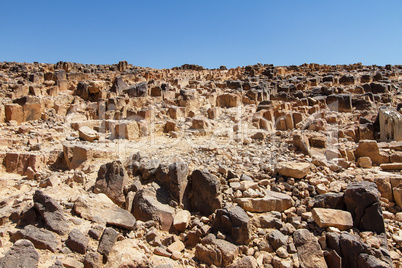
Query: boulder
[
  {"x": 277, "y": 239},
  {"x": 327, "y": 217},
  {"x": 228, "y": 100},
  {"x": 101, "y": 209},
  {"x": 51, "y": 212},
  {"x": 77, "y": 241},
  {"x": 181, "y": 220},
  {"x": 206, "y": 190},
  {"x": 21, "y": 254},
  {"x": 293, "y": 169},
  {"x": 112, "y": 178},
  {"x": 339, "y": 103},
  {"x": 370, "y": 149},
  {"x": 126, "y": 253},
  {"x": 235, "y": 222},
  {"x": 272, "y": 201},
  {"x": 213, "y": 251},
  {"x": 362, "y": 201},
  {"x": 42, "y": 239},
  {"x": 107, "y": 241},
  {"x": 88, "y": 134},
  {"x": 308, "y": 249},
  {"x": 148, "y": 205}
]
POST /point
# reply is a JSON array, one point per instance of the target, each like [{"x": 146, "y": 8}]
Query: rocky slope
[{"x": 257, "y": 166}]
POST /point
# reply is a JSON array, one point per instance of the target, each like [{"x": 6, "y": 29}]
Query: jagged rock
[
  {"x": 77, "y": 241},
  {"x": 51, "y": 212},
  {"x": 21, "y": 255},
  {"x": 42, "y": 239},
  {"x": 327, "y": 217},
  {"x": 92, "y": 260},
  {"x": 308, "y": 249},
  {"x": 206, "y": 192},
  {"x": 107, "y": 241},
  {"x": 277, "y": 239},
  {"x": 102, "y": 209},
  {"x": 293, "y": 169},
  {"x": 370, "y": 149},
  {"x": 362, "y": 201},
  {"x": 330, "y": 200},
  {"x": 112, "y": 178},
  {"x": 233, "y": 221},
  {"x": 147, "y": 206},
  {"x": 245, "y": 262}
]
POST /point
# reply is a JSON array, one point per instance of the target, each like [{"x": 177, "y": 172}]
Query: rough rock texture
[
  {"x": 22, "y": 254},
  {"x": 206, "y": 192}
]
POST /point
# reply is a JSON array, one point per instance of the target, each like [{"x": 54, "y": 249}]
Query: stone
[
  {"x": 88, "y": 134},
  {"x": 77, "y": 241},
  {"x": 51, "y": 212},
  {"x": 137, "y": 90},
  {"x": 102, "y": 209},
  {"x": 245, "y": 262},
  {"x": 216, "y": 251},
  {"x": 126, "y": 253},
  {"x": 111, "y": 180},
  {"x": 364, "y": 162},
  {"x": 390, "y": 122},
  {"x": 129, "y": 130},
  {"x": 351, "y": 248},
  {"x": 228, "y": 100},
  {"x": 42, "y": 239},
  {"x": 235, "y": 222},
  {"x": 327, "y": 217},
  {"x": 370, "y": 149},
  {"x": 92, "y": 260},
  {"x": 147, "y": 206},
  {"x": 362, "y": 201},
  {"x": 277, "y": 239},
  {"x": 369, "y": 261},
  {"x": 181, "y": 220},
  {"x": 207, "y": 192},
  {"x": 293, "y": 169},
  {"x": 21, "y": 254},
  {"x": 330, "y": 200},
  {"x": 177, "y": 246},
  {"x": 70, "y": 262},
  {"x": 397, "y": 194},
  {"x": 391, "y": 166},
  {"x": 107, "y": 241},
  {"x": 308, "y": 249},
  {"x": 272, "y": 201}
]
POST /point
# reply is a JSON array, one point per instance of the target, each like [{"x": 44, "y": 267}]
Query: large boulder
[
  {"x": 112, "y": 178},
  {"x": 293, "y": 169},
  {"x": 272, "y": 201},
  {"x": 51, "y": 212},
  {"x": 101, "y": 209},
  {"x": 308, "y": 249},
  {"x": 235, "y": 222},
  {"x": 370, "y": 149},
  {"x": 362, "y": 201},
  {"x": 150, "y": 203},
  {"x": 206, "y": 190},
  {"x": 21, "y": 255}
]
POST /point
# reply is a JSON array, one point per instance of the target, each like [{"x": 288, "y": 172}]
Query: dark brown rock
[
  {"x": 21, "y": 255},
  {"x": 77, "y": 241},
  {"x": 107, "y": 241}
]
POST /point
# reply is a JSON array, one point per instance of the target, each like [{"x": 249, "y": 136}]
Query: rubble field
[{"x": 255, "y": 166}]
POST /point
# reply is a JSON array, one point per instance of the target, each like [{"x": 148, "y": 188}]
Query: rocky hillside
[{"x": 257, "y": 166}]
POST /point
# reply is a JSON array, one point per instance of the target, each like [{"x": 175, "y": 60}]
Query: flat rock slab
[
  {"x": 272, "y": 201},
  {"x": 293, "y": 169},
  {"x": 391, "y": 166},
  {"x": 327, "y": 217},
  {"x": 41, "y": 238},
  {"x": 21, "y": 254},
  {"x": 98, "y": 209}
]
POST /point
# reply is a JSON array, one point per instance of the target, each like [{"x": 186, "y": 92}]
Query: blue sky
[{"x": 164, "y": 34}]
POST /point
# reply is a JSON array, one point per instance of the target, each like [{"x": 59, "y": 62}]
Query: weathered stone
[
  {"x": 77, "y": 241},
  {"x": 126, "y": 253},
  {"x": 233, "y": 221},
  {"x": 245, "y": 262},
  {"x": 390, "y": 124},
  {"x": 88, "y": 134},
  {"x": 216, "y": 251},
  {"x": 112, "y": 178},
  {"x": 364, "y": 162},
  {"x": 308, "y": 249},
  {"x": 92, "y": 260},
  {"x": 370, "y": 149},
  {"x": 102, "y": 209},
  {"x": 362, "y": 201},
  {"x": 42, "y": 239},
  {"x": 147, "y": 206},
  {"x": 228, "y": 100},
  {"x": 277, "y": 239},
  {"x": 207, "y": 192},
  {"x": 107, "y": 241},
  {"x": 340, "y": 103},
  {"x": 181, "y": 220},
  {"x": 327, "y": 217},
  {"x": 127, "y": 130},
  {"x": 51, "y": 212},
  {"x": 272, "y": 201},
  {"x": 301, "y": 142},
  {"x": 21, "y": 254},
  {"x": 293, "y": 169}
]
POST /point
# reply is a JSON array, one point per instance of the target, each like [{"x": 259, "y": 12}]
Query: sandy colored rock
[
  {"x": 326, "y": 217},
  {"x": 293, "y": 169}
]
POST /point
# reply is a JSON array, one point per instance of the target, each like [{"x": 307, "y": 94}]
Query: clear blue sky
[{"x": 164, "y": 34}]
